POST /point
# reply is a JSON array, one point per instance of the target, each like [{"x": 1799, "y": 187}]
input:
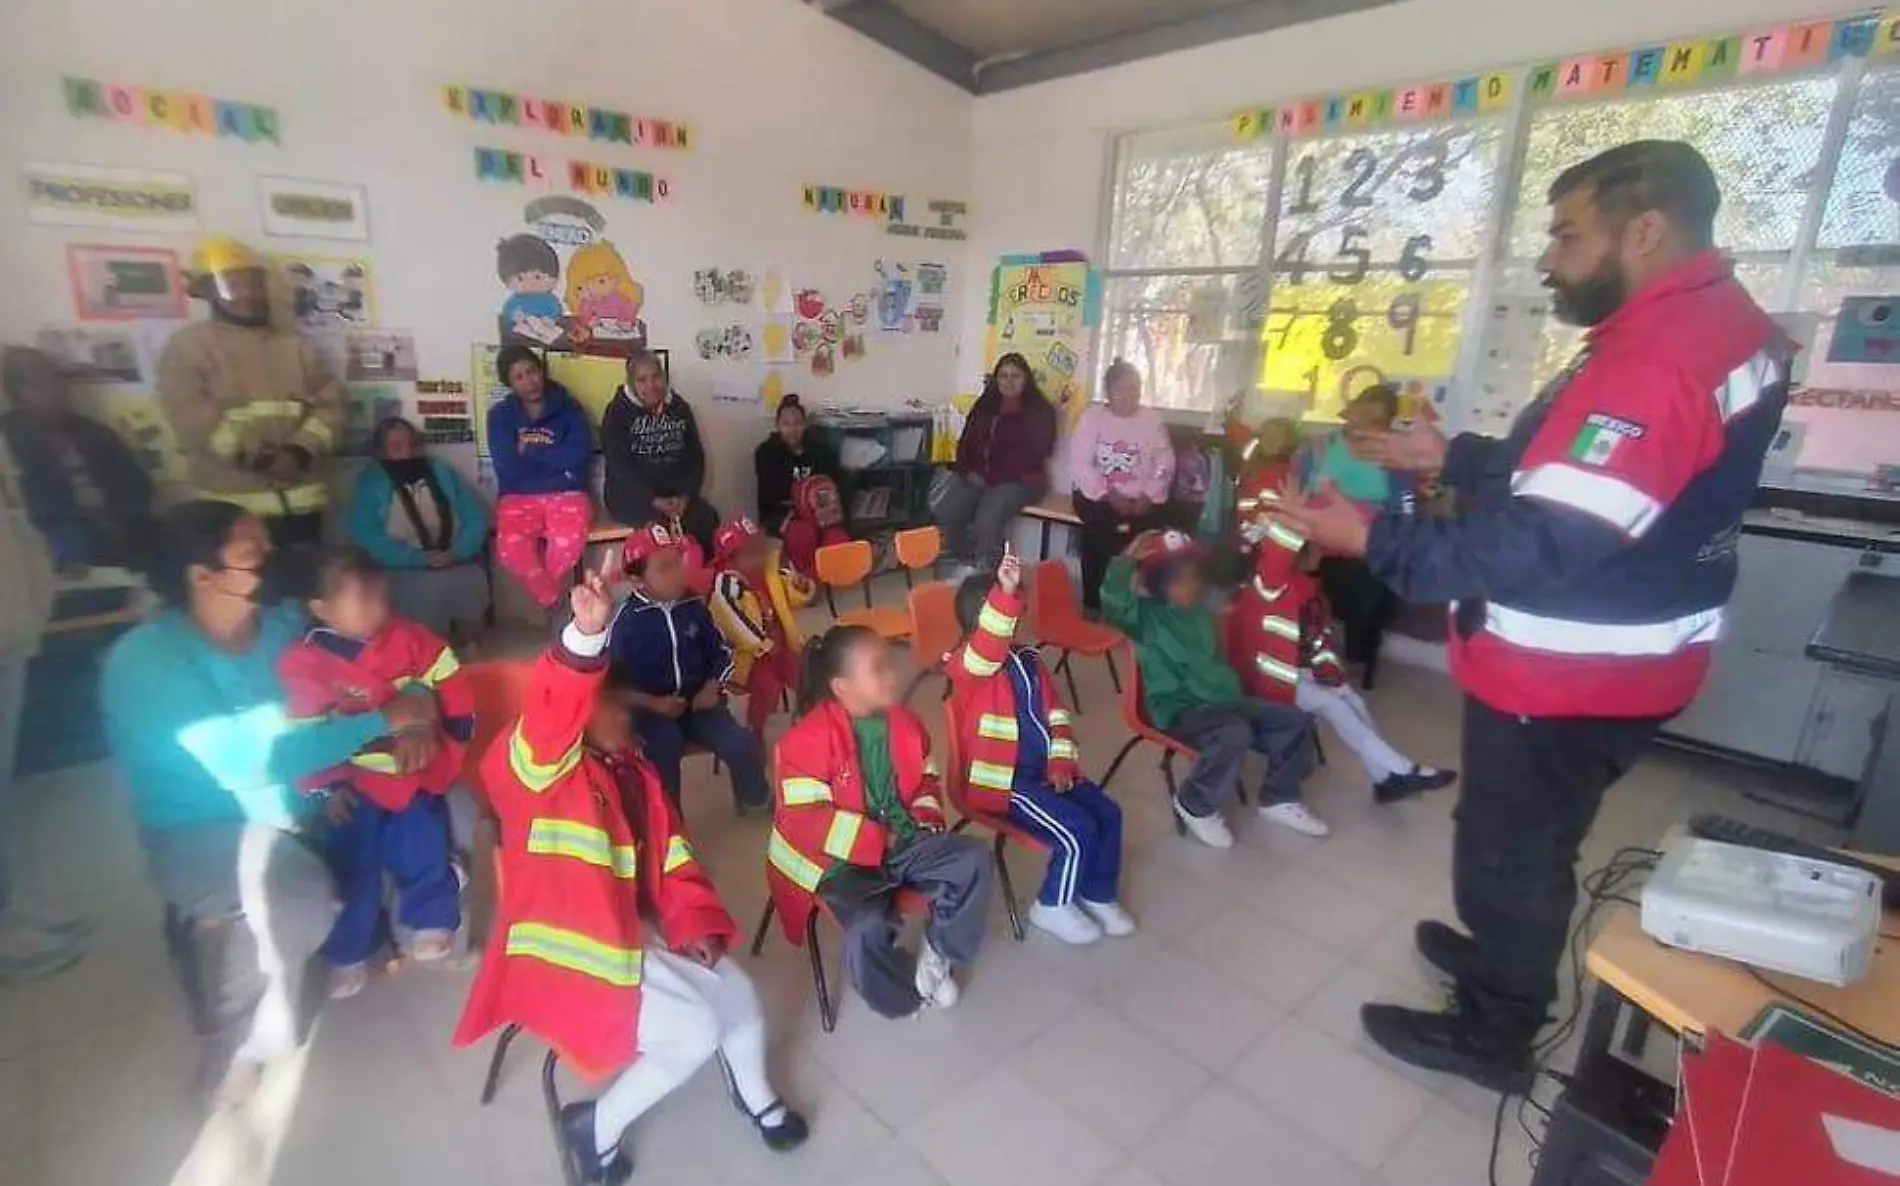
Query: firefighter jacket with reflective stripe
[
  {"x": 750, "y": 621},
  {"x": 1280, "y": 622},
  {"x": 820, "y": 817},
  {"x": 988, "y": 723},
  {"x": 233, "y": 395},
  {"x": 590, "y": 844},
  {"x": 327, "y": 675},
  {"x": 1595, "y": 547}
]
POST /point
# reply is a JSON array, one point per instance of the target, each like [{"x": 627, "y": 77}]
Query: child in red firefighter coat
[
  {"x": 1281, "y": 631},
  {"x": 388, "y": 815},
  {"x": 858, "y": 818},
  {"x": 1023, "y": 764},
  {"x": 610, "y": 941}
]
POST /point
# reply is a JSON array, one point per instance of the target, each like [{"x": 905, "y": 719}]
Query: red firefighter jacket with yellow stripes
[
  {"x": 1280, "y": 622},
  {"x": 985, "y": 700},
  {"x": 820, "y": 817},
  {"x": 589, "y": 844},
  {"x": 327, "y": 674}
]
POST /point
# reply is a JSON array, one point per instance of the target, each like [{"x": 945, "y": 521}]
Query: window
[
  {"x": 1184, "y": 289},
  {"x": 1304, "y": 268}
]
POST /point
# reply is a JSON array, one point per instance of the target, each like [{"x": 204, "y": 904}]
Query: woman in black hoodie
[{"x": 655, "y": 461}]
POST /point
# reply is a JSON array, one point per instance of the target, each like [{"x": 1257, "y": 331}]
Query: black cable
[{"x": 1605, "y": 883}]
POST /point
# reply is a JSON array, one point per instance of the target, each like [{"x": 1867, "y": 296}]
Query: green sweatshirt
[{"x": 1178, "y": 649}]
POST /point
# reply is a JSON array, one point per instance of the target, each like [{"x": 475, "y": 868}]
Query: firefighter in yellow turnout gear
[{"x": 252, "y": 406}]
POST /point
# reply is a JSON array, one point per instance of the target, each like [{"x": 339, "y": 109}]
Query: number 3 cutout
[{"x": 1429, "y": 182}]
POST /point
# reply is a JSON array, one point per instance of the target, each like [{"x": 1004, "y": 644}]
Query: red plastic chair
[
  {"x": 1135, "y": 717},
  {"x": 956, "y": 787},
  {"x": 934, "y": 632},
  {"x": 1056, "y": 616}
]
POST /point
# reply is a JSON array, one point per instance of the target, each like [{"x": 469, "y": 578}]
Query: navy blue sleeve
[
  {"x": 576, "y": 443},
  {"x": 718, "y": 652},
  {"x": 504, "y": 451},
  {"x": 1497, "y": 550},
  {"x": 1465, "y": 456}
]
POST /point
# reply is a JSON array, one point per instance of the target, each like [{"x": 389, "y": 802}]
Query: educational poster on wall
[
  {"x": 1042, "y": 307},
  {"x": 725, "y": 343},
  {"x": 369, "y": 405},
  {"x": 118, "y": 199},
  {"x": 1513, "y": 337},
  {"x": 92, "y": 354},
  {"x": 896, "y": 297},
  {"x": 292, "y": 208},
  {"x": 724, "y": 286},
  {"x": 380, "y": 356},
  {"x": 124, "y": 283},
  {"x": 443, "y": 406},
  {"x": 933, "y": 284},
  {"x": 329, "y": 293},
  {"x": 568, "y": 287}
]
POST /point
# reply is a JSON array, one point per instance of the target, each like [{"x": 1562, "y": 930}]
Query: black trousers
[
  {"x": 1362, "y": 604},
  {"x": 1531, "y": 788},
  {"x": 1102, "y": 537}
]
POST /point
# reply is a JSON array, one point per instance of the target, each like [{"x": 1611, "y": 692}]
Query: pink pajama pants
[{"x": 540, "y": 538}]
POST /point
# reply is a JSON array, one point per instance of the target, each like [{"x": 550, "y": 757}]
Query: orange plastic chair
[
  {"x": 842, "y": 566},
  {"x": 1135, "y": 717},
  {"x": 956, "y": 787},
  {"x": 934, "y": 631},
  {"x": 1056, "y": 614},
  {"x": 917, "y": 547}
]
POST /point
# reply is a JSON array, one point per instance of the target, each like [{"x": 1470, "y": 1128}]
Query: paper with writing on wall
[{"x": 1867, "y": 330}]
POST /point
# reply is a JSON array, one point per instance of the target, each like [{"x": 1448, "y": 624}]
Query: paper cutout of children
[
  {"x": 604, "y": 296},
  {"x": 531, "y": 270}
]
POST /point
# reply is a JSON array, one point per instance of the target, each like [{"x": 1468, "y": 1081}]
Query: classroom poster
[
  {"x": 568, "y": 288},
  {"x": 120, "y": 199},
  {"x": 1042, "y": 307},
  {"x": 329, "y": 293}
]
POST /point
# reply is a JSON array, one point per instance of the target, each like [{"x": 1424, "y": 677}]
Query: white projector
[{"x": 1783, "y": 913}]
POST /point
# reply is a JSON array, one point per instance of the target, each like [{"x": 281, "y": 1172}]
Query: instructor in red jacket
[{"x": 1588, "y": 565}]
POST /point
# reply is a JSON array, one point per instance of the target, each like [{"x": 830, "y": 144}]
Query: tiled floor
[{"x": 1219, "y": 1045}]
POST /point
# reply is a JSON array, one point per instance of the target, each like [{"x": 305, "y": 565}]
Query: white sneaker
[
  {"x": 428, "y": 946},
  {"x": 1295, "y": 817},
  {"x": 935, "y": 981},
  {"x": 28, "y": 953},
  {"x": 1209, "y": 829},
  {"x": 1110, "y": 916},
  {"x": 346, "y": 980},
  {"x": 1070, "y": 923}
]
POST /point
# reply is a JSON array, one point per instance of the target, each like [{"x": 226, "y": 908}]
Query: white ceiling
[{"x": 997, "y": 28}]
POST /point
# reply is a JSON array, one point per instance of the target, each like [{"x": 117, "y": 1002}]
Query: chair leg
[
  {"x": 1068, "y": 672},
  {"x": 827, "y": 1009},
  {"x": 1009, "y": 890},
  {"x": 551, "y": 1098},
  {"x": 1127, "y": 747},
  {"x": 493, "y": 1081},
  {"x": 865, "y": 588},
  {"x": 831, "y": 603},
  {"x": 1114, "y": 676},
  {"x": 765, "y": 927},
  {"x": 1167, "y": 773}
]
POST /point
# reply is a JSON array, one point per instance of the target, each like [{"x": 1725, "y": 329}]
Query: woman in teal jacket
[
  {"x": 197, "y": 720},
  {"x": 427, "y": 526}
]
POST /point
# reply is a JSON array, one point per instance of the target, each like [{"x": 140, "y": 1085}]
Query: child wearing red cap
[
  {"x": 669, "y": 655},
  {"x": 753, "y": 599},
  {"x": 1153, "y": 593}
]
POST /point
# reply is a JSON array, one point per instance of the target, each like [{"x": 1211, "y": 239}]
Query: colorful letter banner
[
  {"x": 502, "y": 167},
  {"x": 859, "y": 203},
  {"x": 177, "y": 111},
  {"x": 566, "y": 119},
  {"x": 1777, "y": 49}
]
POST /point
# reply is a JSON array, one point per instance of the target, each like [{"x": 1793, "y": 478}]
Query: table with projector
[{"x": 1722, "y": 932}]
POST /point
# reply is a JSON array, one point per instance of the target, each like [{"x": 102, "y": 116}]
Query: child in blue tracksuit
[
  {"x": 672, "y": 662},
  {"x": 1021, "y": 761},
  {"x": 540, "y": 442}
]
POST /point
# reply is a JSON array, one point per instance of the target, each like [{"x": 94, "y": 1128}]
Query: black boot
[
  {"x": 585, "y": 1164},
  {"x": 1449, "y": 1042},
  {"x": 1450, "y": 951}
]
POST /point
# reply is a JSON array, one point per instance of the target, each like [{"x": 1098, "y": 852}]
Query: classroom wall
[
  {"x": 1041, "y": 153},
  {"x": 777, "y": 96}
]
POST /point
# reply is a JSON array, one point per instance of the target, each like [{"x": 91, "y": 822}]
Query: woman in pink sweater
[{"x": 1122, "y": 464}]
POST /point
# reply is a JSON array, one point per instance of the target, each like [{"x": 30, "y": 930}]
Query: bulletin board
[
  {"x": 1378, "y": 237},
  {"x": 1043, "y": 307}
]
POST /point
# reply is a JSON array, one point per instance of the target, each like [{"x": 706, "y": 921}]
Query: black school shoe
[
  {"x": 1417, "y": 781},
  {"x": 1449, "y": 951},
  {"x": 788, "y": 1134},
  {"x": 583, "y": 1163},
  {"x": 1449, "y": 1043}
]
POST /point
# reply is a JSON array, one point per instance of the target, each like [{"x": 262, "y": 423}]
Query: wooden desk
[{"x": 1053, "y": 509}]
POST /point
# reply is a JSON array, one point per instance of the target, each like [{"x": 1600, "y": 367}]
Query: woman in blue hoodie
[
  {"x": 426, "y": 525},
  {"x": 540, "y": 440}
]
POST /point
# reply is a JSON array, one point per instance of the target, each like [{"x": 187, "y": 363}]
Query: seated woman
[
  {"x": 612, "y": 940},
  {"x": 84, "y": 488},
  {"x": 784, "y": 463},
  {"x": 539, "y": 440},
  {"x": 655, "y": 461},
  {"x": 1122, "y": 464},
  {"x": 1002, "y": 465},
  {"x": 197, "y": 719},
  {"x": 423, "y": 523}
]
